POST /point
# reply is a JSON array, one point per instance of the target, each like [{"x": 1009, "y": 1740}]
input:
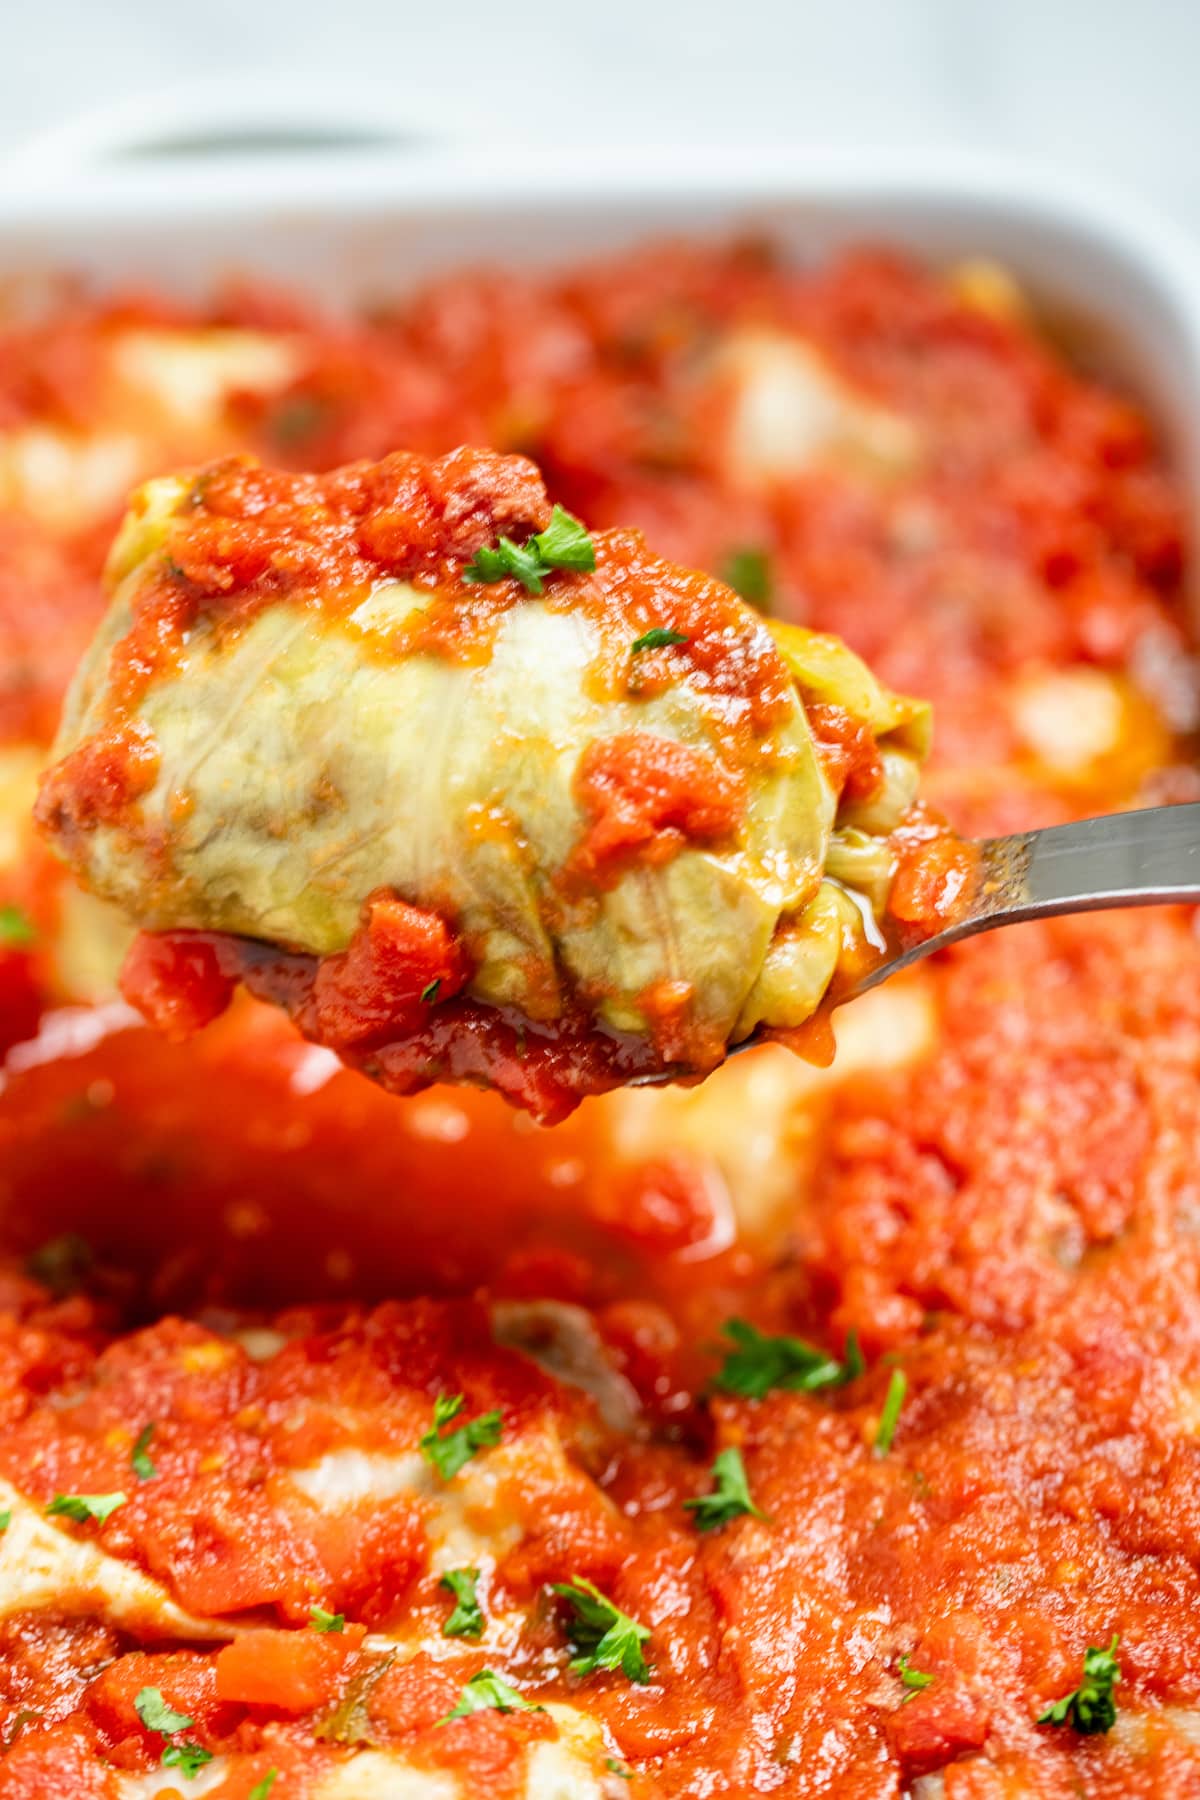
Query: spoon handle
[{"x": 1121, "y": 859}]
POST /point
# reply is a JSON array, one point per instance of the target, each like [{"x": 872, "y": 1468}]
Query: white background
[{"x": 1109, "y": 88}]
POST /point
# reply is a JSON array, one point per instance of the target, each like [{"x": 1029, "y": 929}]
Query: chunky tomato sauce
[{"x": 280, "y": 1268}]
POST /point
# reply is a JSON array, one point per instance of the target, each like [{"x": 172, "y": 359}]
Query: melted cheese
[
  {"x": 758, "y": 1115},
  {"x": 791, "y": 412},
  {"x": 1088, "y": 731},
  {"x": 164, "y": 396},
  {"x": 383, "y": 1775},
  {"x": 43, "y": 1569},
  {"x": 169, "y": 1783},
  {"x": 192, "y": 375},
  {"x": 568, "y": 1767},
  {"x": 470, "y": 1520},
  {"x": 20, "y": 766},
  {"x": 1069, "y": 717},
  {"x": 89, "y": 946},
  {"x": 64, "y": 479}
]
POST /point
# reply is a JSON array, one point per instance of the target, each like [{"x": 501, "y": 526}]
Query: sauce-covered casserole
[{"x": 813, "y": 1431}]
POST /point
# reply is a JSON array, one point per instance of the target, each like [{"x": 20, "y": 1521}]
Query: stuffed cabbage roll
[{"x": 476, "y": 794}]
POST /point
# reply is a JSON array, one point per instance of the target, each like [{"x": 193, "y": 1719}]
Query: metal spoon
[
  {"x": 1144, "y": 858},
  {"x": 1147, "y": 858}
]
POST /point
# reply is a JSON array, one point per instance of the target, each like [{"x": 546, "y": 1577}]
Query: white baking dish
[{"x": 116, "y": 200}]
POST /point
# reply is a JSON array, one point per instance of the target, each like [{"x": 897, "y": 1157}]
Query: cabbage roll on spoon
[{"x": 475, "y": 794}]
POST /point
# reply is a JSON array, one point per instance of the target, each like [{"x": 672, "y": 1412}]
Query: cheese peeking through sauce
[{"x": 474, "y": 794}]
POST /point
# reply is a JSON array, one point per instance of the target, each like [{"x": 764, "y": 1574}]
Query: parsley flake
[
  {"x": 298, "y": 419},
  {"x": 657, "y": 638},
  {"x": 913, "y": 1679},
  {"x": 189, "y": 1759},
  {"x": 604, "y": 1636},
  {"x": 156, "y": 1715},
  {"x": 564, "y": 544},
  {"x": 430, "y": 993},
  {"x": 82, "y": 1507},
  {"x": 748, "y": 573},
  {"x": 488, "y": 1692},
  {"x": 489, "y": 565},
  {"x": 320, "y": 1620},
  {"x": 730, "y": 1498},
  {"x": 61, "y": 1264},
  {"x": 261, "y": 1789},
  {"x": 618, "y": 1769},
  {"x": 6, "y": 1518},
  {"x": 467, "y": 1620},
  {"x": 140, "y": 1463},
  {"x": 889, "y": 1418},
  {"x": 449, "y": 1451},
  {"x": 1090, "y": 1707},
  {"x": 757, "y": 1363},
  {"x": 16, "y": 929}
]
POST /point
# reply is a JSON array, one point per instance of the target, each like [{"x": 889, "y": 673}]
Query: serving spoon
[{"x": 1146, "y": 858}]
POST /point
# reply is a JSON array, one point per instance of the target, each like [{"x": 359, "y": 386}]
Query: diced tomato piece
[
  {"x": 399, "y": 963},
  {"x": 847, "y": 749},
  {"x": 183, "y": 1677},
  {"x": 290, "y": 1671},
  {"x": 98, "y": 781},
  {"x": 647, "y": 796},
  {"x": 939, "y": 1725},
  {"x": 932, "y": 882},
  {"x": 179, "y": 980}
]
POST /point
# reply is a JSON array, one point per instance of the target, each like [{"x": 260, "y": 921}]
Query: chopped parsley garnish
[
  {"x": 82, "y": 1507},
  {"x": 449, "y": 1451},
  {"x": 730, "y": 1498},
  {"x": 320, "y": 1620},
  {"x": 140, "y": 1463},
  {"x": 61, "y": 1263},
  {"x": 6, "y": 1518},
  {"x": 429, "y": 994},
  {"x": 488, "y": 1692},
  {"x": 156, "y": 1715},
  {"x": 261, "y": 1789},
  {"x": 16, "y": 929},
  {"x": 748, "y": 573},
  {"x": 758, "y": 1363},
  {"x": 889, "y": 1418},
  {"x": 189, "y": 1759},
  {"x": 618, "y": 1769},
  {"x": 913, "y": 1679},
  {"x": 1090, "y": 1707},
  {"x": 299, "y": 418},
  {"x": 658, "y": 638},
  {"x": 349, "y": 1722},
  {"x": 564, "y": 544},
  {"x": 466, "y": 1621},
  {"x": 28, "y": 1715},
  {"x": 604, "y": 1636}
]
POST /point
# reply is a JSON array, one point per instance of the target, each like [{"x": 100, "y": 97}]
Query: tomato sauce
[{"x": 273, "y": 1262}]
